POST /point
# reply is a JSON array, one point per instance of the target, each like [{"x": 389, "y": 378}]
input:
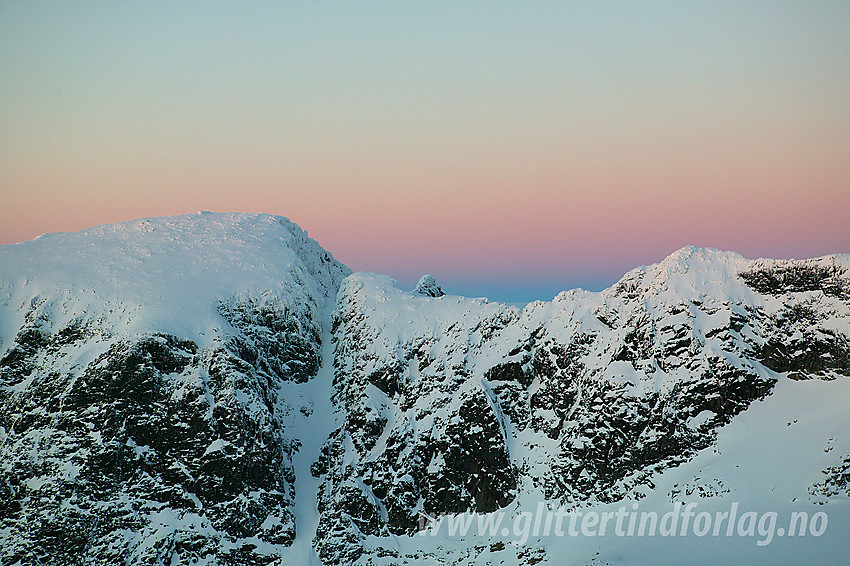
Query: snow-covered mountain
[
  {"x": 217, "y": 389},
  {"x": 145, "y": 409}
]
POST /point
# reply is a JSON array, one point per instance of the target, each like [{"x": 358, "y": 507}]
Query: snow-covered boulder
[{"x": 428, "y": 287}]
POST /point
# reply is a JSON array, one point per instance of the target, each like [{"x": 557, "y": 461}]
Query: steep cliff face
[
  {"x": 142, "y": 365},
  {"x": 217, "y": 389},
  {"x": 450, "y": 404}
]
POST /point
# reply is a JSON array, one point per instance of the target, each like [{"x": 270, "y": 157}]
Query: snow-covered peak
[
  {"x": 694, "y": 273},
  {"x": 165, "y": 274},
  {"x": 691, "y": 273}
]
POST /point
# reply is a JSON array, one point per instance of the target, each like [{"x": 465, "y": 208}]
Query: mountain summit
[{"x": 217, "y": 389}]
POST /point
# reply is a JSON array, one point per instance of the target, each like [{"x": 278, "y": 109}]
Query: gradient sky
[{"x": 512, "y": 149}]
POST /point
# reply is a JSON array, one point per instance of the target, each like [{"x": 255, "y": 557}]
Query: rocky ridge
[{"x": 451, "y": 404}]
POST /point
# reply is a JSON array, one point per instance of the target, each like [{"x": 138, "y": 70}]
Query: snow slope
[{"x": 165, "y": 274}]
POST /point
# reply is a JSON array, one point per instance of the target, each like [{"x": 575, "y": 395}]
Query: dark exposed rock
[
  {"x": 804, "y": 348},
  {"x": 510, "y": 371},
  {"x": 476, "y": 473},
  {"x": 795, "y": 277},
  {"x": 836, "y": 482},
  {"x": 278, "y": 339},
  {"x": 136, "y": 430}
]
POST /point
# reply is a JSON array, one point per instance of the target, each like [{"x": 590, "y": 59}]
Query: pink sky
[{"x": 511, "y": 152}]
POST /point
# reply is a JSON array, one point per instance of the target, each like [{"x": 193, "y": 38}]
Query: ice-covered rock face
[{"x": 141, "y": 407}]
